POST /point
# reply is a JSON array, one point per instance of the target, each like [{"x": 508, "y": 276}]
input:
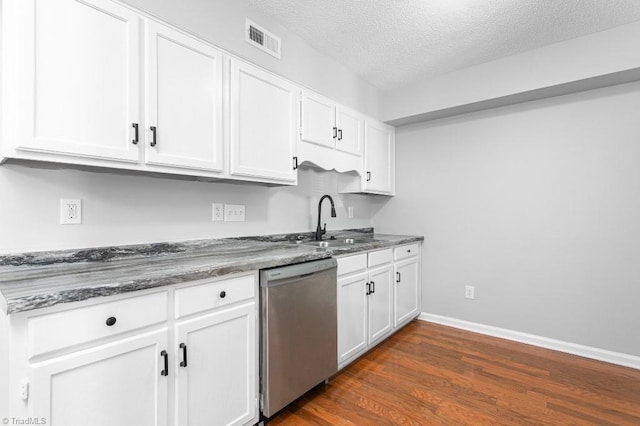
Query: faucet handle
[{"x": 324, "y": 230}]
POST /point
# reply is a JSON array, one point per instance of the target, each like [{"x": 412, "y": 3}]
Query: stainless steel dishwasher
[{"x": 298, "y": 336}]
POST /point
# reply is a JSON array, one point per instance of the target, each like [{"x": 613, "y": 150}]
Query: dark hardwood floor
[{"x": 431, "y": 374}]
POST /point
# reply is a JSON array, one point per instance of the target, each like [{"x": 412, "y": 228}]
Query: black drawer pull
[
  {"x": 223, "y": 294},
  {"x": 153, "y": 133},
  {"x": 368, "y": 176},
  {"x": 165, "y": 355},
  {"x": 339, "y": 134},
  {"x": 295, "y": 163},
  {"x": 335, "y": 132},
  {"x": 397, "y": 277},
  {"x": 110, "y": 321},
  {"x": 368, "y": 289},
  {"x": 373, "y": 287},
  {"x": 135, "y": 134},
  {"x": 183, "y": 363}
]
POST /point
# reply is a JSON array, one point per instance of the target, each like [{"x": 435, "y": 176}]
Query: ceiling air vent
[{"x": 262, "y": 39}]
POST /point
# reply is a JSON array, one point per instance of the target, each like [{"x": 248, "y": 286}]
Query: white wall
[
  {"x": 125, "y": 209},
  {"x": 222, "y": 22},
  {"x": 537, "y": 205}
]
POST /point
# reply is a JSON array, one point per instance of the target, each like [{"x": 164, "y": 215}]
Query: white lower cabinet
[
  {"x": 352, "y": 316},
  {"x": 407, "y": 283},
  {"x": 378, "y": 292},
  {"x": 380, "y": 303},
  {"x": 365, "y": 302},
  {"x": 114, "y": 384},
  {"x": 139, "y": 365},
  {"x": 406, "y": 290},
  {"x": 214, "y": 386}
]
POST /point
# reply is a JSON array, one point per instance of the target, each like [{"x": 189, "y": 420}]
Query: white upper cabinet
[
  {"x": 264, "y": 123},
  {"x": 77, "y": 76},
  {"x": 350, "y": 131},
  {"x": 318, "y": 120},
  {"x": 331, "y": 136},
  {"x": 379, "y": 158},
  {"x": 184, "y": 101},
  {"x": 378, "y": 174},
  {"x": 99, "y": 83}
]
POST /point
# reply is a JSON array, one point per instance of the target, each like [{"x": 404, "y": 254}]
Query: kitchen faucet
[{"x": 319, "y": 230}]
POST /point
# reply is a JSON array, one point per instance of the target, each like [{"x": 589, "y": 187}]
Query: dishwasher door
[{"x": 298, "y": 331}]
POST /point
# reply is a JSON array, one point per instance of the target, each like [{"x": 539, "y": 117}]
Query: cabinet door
[
  {"x": 183, "y": 100},
  {"x": 264, "y": 124},
  {"x": 351, "y": 131},
  {"x": 379, "y": 158},
  {"x": 318, "y": 116},
  {"x": 406, "y": 291},
  {"x": 78, "y": 78},
  {"x": 380, "y": 303},
  {"x": 114, "y": 384},
  {"x": 352, "y": 316},
  {"x": 218, "y": 384}
]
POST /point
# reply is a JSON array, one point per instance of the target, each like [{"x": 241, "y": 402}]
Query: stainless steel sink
[{"x": 338, "y": 242}]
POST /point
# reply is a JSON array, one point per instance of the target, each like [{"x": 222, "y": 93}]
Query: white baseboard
[{"x": 531, "y": 339}]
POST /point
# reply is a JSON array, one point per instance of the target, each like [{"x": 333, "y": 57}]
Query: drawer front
[
  {"x": 211, "y": 295},
  {"x": 350, "y": 264},
  {"x": 403, "y": 252},
  {"x": 60, "y": 330},
  {"x": 380, "y": 257}
]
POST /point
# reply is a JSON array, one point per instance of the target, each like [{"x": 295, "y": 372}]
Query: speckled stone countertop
[{"x": 36, "y": 280}]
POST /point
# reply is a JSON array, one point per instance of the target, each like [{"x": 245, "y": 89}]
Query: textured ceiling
[{"x": 391, "y": 43}]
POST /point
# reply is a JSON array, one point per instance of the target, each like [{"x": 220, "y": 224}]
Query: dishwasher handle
[{"x": 287, "y": 274}]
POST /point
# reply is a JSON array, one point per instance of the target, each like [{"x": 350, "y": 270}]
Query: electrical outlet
[
  {"x": 469, "y": 292},
  {"x": 70, "y": 211},
  {"x": 217, "y": 212},
  {"x": 234, "y": 212},
  {"x": 350, "y": 212}
]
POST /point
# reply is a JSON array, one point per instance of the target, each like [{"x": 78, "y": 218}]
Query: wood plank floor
[{"x": 428, "y": 374}]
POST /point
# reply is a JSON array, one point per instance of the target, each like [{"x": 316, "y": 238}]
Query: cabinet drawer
[
  {"x": 406, "y": 251},
  {"x": 210, "y": 295},
  {"x": 349, "y": 264},
  {"x": 380, "y": 257},
  {"x": 60, "y": 330}
]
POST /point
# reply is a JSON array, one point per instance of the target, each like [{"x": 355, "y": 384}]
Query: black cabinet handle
[
  {"x": 223, "y": 294},
  {"x": 368, "y": 176},
  {"x": 368, "y": 289},
  {"x": 153, "y": 134},
  {"x": 335, "y": 132},
  {"x": 397, "y": 277},
  {"x": 135, "y": 133},
  {"x": 295, "y": 163},
  {"x": 183, "y": 363},
  {"x": 339, "y": 134},
  {"x": 165, "y": 372},
  {"x": 373, "y": 287},
  {"x": 110, "y": 321}
]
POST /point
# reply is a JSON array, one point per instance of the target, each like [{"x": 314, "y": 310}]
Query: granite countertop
[{"x": 36, "y": 280}]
